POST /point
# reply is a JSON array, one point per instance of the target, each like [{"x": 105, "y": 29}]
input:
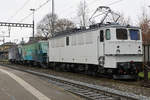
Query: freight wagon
[
  {"x": 14, "y": 55},
  {"x": 33, "y": 53}
]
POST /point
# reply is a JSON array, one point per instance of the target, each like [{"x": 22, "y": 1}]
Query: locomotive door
[{"x": 101, "y": 48}]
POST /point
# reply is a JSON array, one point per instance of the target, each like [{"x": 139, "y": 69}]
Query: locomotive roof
[{"x": 91, "y": 28}]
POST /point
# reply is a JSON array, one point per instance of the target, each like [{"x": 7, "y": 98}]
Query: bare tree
[
  {"x": 64, "y": 24},
  {"x": 144, "y": 23},
  {"x": 124, "y": 20},
  {"x": 44, "y": 27},
  {"x": 82, "y": 13}
]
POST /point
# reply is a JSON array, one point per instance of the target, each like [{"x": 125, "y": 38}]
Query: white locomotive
[{"x": 110, "y": 49}]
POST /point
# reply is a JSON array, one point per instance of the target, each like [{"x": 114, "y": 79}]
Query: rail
[{"x": 89, "y": 91}]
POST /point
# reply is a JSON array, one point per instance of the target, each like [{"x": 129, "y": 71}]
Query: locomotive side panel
[{"x": 76, "y": 48}]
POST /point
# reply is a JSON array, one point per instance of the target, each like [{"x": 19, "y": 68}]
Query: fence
[{"x": 146, "y": 63}]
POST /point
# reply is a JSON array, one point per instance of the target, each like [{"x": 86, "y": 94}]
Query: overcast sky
[{"x": 16, "y": 10}]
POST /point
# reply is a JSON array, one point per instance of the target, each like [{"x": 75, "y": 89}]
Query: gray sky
[{"x": 63, "y": 8}]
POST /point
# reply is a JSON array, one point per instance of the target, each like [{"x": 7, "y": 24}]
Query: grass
[{"x": 141, "y": 74}]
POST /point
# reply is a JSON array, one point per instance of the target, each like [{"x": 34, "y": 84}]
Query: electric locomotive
[{"x": 109, "y": 49}]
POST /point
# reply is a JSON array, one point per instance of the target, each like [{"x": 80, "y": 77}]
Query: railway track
[
  {"x": 108, "y": 79},
  {"x": 88, "y": 91}
]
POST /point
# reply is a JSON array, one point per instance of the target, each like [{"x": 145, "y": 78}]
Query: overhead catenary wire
[
  {"x": 42, "y": 5},
  {"x": 25, "y": 17},
  {"x": 69, "y": 12},
  {"x": 109, "y": 4},
  {"x": 19, "y": 10},
  {"x": 93, "y": 2},
  {"x": 38, "y": 8},
  {"x": 115, "y": 2}
]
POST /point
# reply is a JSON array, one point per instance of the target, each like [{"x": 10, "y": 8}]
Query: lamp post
[
  {"x": 53, "y": 11},
  {"x": 148, "y": 6},
  {"x": 33, "y": 10}
]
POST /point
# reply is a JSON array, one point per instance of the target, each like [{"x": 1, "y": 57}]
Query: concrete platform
[{"x": 16, "y": 85}]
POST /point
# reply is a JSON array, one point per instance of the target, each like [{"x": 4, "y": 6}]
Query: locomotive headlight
[
  {"x": 139, "y": 51},
  {"x": 117, "y": 51}
]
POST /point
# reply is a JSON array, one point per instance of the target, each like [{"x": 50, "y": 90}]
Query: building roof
[{"x": 8, "y": 44}]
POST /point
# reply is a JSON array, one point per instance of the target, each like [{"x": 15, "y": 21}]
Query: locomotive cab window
[
  {"x": 67, "y": 41},
  {"x": 108, "y": 35},
  {"x": 121, "y": 34},
  {"x": 134, "y": 34},
  {"x": 101, "y": 36}
]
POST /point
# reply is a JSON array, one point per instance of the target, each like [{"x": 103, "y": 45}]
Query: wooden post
[{"x": 145, "y": 75}]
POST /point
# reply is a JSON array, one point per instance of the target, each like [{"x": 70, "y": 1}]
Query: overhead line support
[{"x": 16, "y": 24}]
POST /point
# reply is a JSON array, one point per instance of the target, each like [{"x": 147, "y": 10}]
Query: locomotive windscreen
[
  {"x": 121, "y": 34},
  {"x": 134, "y": 34}
]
